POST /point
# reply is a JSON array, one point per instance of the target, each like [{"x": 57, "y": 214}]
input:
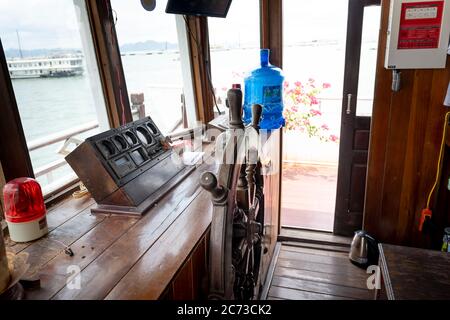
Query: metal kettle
[{"x": 363, "y": 250}]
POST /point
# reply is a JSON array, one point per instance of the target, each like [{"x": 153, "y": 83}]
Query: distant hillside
[{"x": 148, "y": 45}]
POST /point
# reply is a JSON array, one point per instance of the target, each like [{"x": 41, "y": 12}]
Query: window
[
  {"x": 368, "y": 62},
  {"x": 53, "y": 105},
  {"x": 234, "y": 45},
  {"x": 156, "y": 62}
]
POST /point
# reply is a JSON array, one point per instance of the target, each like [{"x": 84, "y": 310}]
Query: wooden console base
[{"x": 148, "y": 203}]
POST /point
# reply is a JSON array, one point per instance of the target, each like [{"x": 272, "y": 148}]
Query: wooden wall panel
[
  {"x": 190, "y": 282},
  {"x": 443, "y": 196},
  {"x": 200, "y": 269},
  {"x": 183, "y": 284},
  {"x": 404, "y": 148}
]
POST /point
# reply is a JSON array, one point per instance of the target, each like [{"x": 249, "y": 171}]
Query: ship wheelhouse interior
[{"x": 163, "y": 180}]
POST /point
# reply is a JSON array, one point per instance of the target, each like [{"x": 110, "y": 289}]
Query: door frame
[{"x": 345, "y": 220}]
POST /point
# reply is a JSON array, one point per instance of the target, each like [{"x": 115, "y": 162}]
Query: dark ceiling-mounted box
[{"x": 127, "y": 169}]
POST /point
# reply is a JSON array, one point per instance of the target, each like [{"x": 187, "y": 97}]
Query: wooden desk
[
  {"x": 414, "y": 274},
  {"x": 161, "y": 255}
]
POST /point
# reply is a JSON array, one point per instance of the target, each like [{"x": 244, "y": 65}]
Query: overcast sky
[
  {"x": 40, "y": 23},
  {"x": 54, "y": 23}
]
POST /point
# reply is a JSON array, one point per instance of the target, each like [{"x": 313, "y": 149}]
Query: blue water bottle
[{"x": 264, "y": 86}]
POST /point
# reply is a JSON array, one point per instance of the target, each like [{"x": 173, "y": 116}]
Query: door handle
[{"x": 349, "y": 103}]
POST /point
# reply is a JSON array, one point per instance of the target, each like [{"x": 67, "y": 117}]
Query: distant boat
[{"x": 46, "y": 67}]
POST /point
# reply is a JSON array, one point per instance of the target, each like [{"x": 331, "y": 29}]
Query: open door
[{"x": 356, "y": 117}]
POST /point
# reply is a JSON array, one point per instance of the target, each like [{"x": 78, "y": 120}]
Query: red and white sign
[{"x": 420, "y": 25}]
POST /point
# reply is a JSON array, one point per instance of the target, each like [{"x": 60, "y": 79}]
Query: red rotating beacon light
[{"x": 25, "y": 209}]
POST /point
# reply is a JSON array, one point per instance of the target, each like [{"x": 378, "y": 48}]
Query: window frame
[
  {"x": 14, "y": 154},
  {"x": 109, "y": 61},
  {"x": 189, "y": 66},
  {"x": 16, "y": 162},
  {"x": 198, "y": 40}
]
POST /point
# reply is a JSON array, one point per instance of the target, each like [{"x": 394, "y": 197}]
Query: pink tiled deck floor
[{"x": 308, "y": 196}]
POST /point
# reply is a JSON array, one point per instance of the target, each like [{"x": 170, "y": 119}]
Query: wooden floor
[
  {"x": 308, "y": 196},
  {"x": 309, "y": 272}
]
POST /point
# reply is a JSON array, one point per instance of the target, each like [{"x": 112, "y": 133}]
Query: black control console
[{"x": 127, "y": 169}]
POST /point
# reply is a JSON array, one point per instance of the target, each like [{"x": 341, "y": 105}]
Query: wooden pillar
[
  {"x": 271, "y": 19},
  {"x": 109, "y": 62},
  {"x": 14, "y": 156},
  {"x": 201, "y": 67},
  {"x": 2, "y": 184},
  {"x": 271, "y": 13}
]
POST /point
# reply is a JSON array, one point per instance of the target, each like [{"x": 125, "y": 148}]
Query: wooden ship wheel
[{"x": 235, "y": 252}]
